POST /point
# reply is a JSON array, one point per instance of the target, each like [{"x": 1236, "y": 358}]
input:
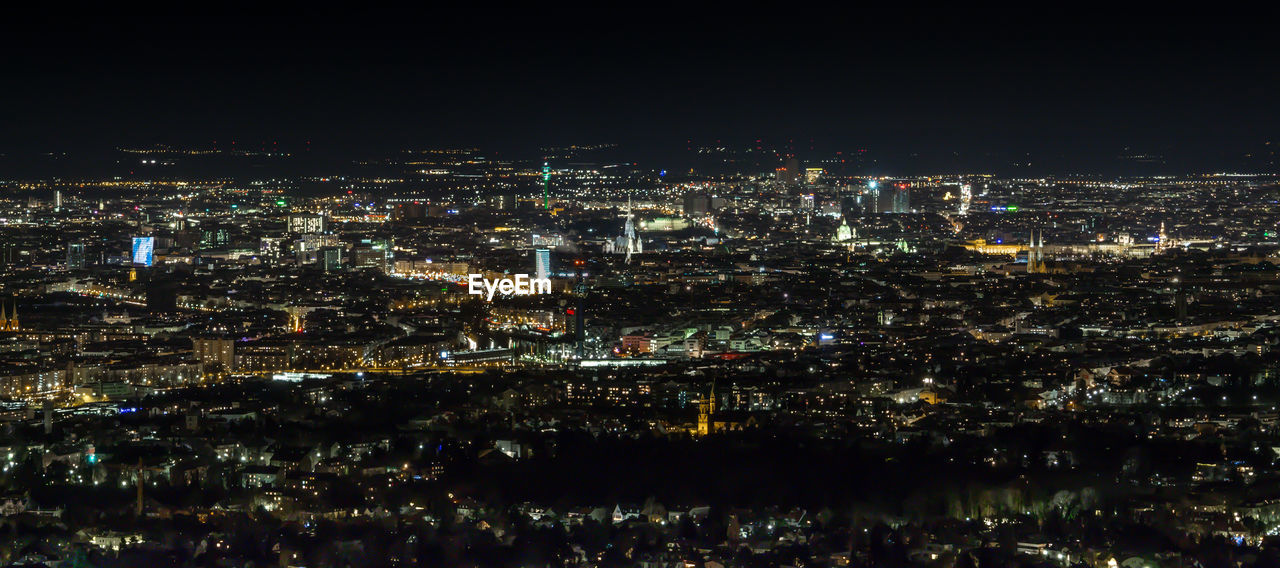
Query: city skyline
[{"x": 639, "y": 286}]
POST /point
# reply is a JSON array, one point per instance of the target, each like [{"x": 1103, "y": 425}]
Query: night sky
[{"x": 1063, "y": 92}]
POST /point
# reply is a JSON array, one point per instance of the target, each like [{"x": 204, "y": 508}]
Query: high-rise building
[
  {"x": 901, "y": 200},
  {"x": 892, "y": 199},
  {"x": 270, "y": 247},
  {"x": 143, "y": 250},
  {"x": 75, "y": 257},
  {"x": 966, "y": 198},
  {"x": 216, "y": 353},
  {"x": 789, "y": 174},
  {"x": 306, "y": 223},
  {"x": 807, "y": 202},
  {"x": 214, "y": 237},
  {"x": 331, "y": 258},
  {"x": 506, "y": 202},
  {"x": 542, "y": 263},
  {"x": 57, "y": 200}
]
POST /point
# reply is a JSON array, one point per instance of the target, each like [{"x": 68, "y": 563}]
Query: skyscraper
[
  {"x": 542, "y": 263},
  {"x": 306, "y": 223},
  {"x": 331, "y": 258},
  {"x": 75, "y": 256},
  {"x": 143, "y": 250},
  {"x": 892, "y": 199},
  {"x": 901, "y": 200},
  {"x": 789, "y": 174}
]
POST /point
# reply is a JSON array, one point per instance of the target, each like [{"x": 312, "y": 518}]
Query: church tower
[
  {"x": 706, "y": 408},
  {"x": 1035, "y": 253}
]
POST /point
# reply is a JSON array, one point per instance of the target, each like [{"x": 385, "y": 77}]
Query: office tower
[
  {"x": 143, "y": 250},
  {"x": 57, "y": 200},
  {"x": 542, "y": 263},
  {"x": 901, "y": 200},
  {"x": 270, "y": 247},
  {"x": 306, "y": 223},
  {"x": 892, "y": 199},
  {"x": 506, "y": 202},
  {"x": 75, "y": 257},
  {"x": 807, "y": 202},
  {"x": 331, "y": 258},
  {"x": 884, "y": 200},
  {"x": 214, "y": 238},
  {"x": 789, "y": 174},
  {"x": 869, "y": 198}
]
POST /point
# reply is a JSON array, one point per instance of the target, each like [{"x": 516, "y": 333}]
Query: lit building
[
  {"x": 306, "y": 223},
  {"x": 144, "y": 250},
  {"x": 75, "y": 257},
  {"x": 542, "y": 263}
]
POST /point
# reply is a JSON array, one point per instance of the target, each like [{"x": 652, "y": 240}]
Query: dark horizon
[{"x": 926, "y": 96}]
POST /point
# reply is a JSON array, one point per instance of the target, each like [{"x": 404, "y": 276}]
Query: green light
[
  {"x": 546, "y": 185},
  {"x": 1012, "y": 208},
  {"x": 280, "y": 202}
]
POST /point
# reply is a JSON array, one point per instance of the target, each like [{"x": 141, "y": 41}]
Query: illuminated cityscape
[{"x": 685, "y": 299}]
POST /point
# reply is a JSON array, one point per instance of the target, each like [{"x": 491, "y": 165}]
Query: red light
[{"x": 570, "y": 311}]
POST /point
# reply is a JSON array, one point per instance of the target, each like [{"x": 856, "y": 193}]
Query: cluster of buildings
[{"x": 1044, "y": 371}]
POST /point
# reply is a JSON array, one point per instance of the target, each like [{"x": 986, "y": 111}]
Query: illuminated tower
[
  {"x": 542, "y": 263},
  {"x": 707, "y": 408},
  {"x": 629, "y": 232},
  {"x": 13, "y": 322},
  {"x": 966, "y": 197},
  {"x": 546, "y": 186},
  {"x": 1035, "y": 253}
]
